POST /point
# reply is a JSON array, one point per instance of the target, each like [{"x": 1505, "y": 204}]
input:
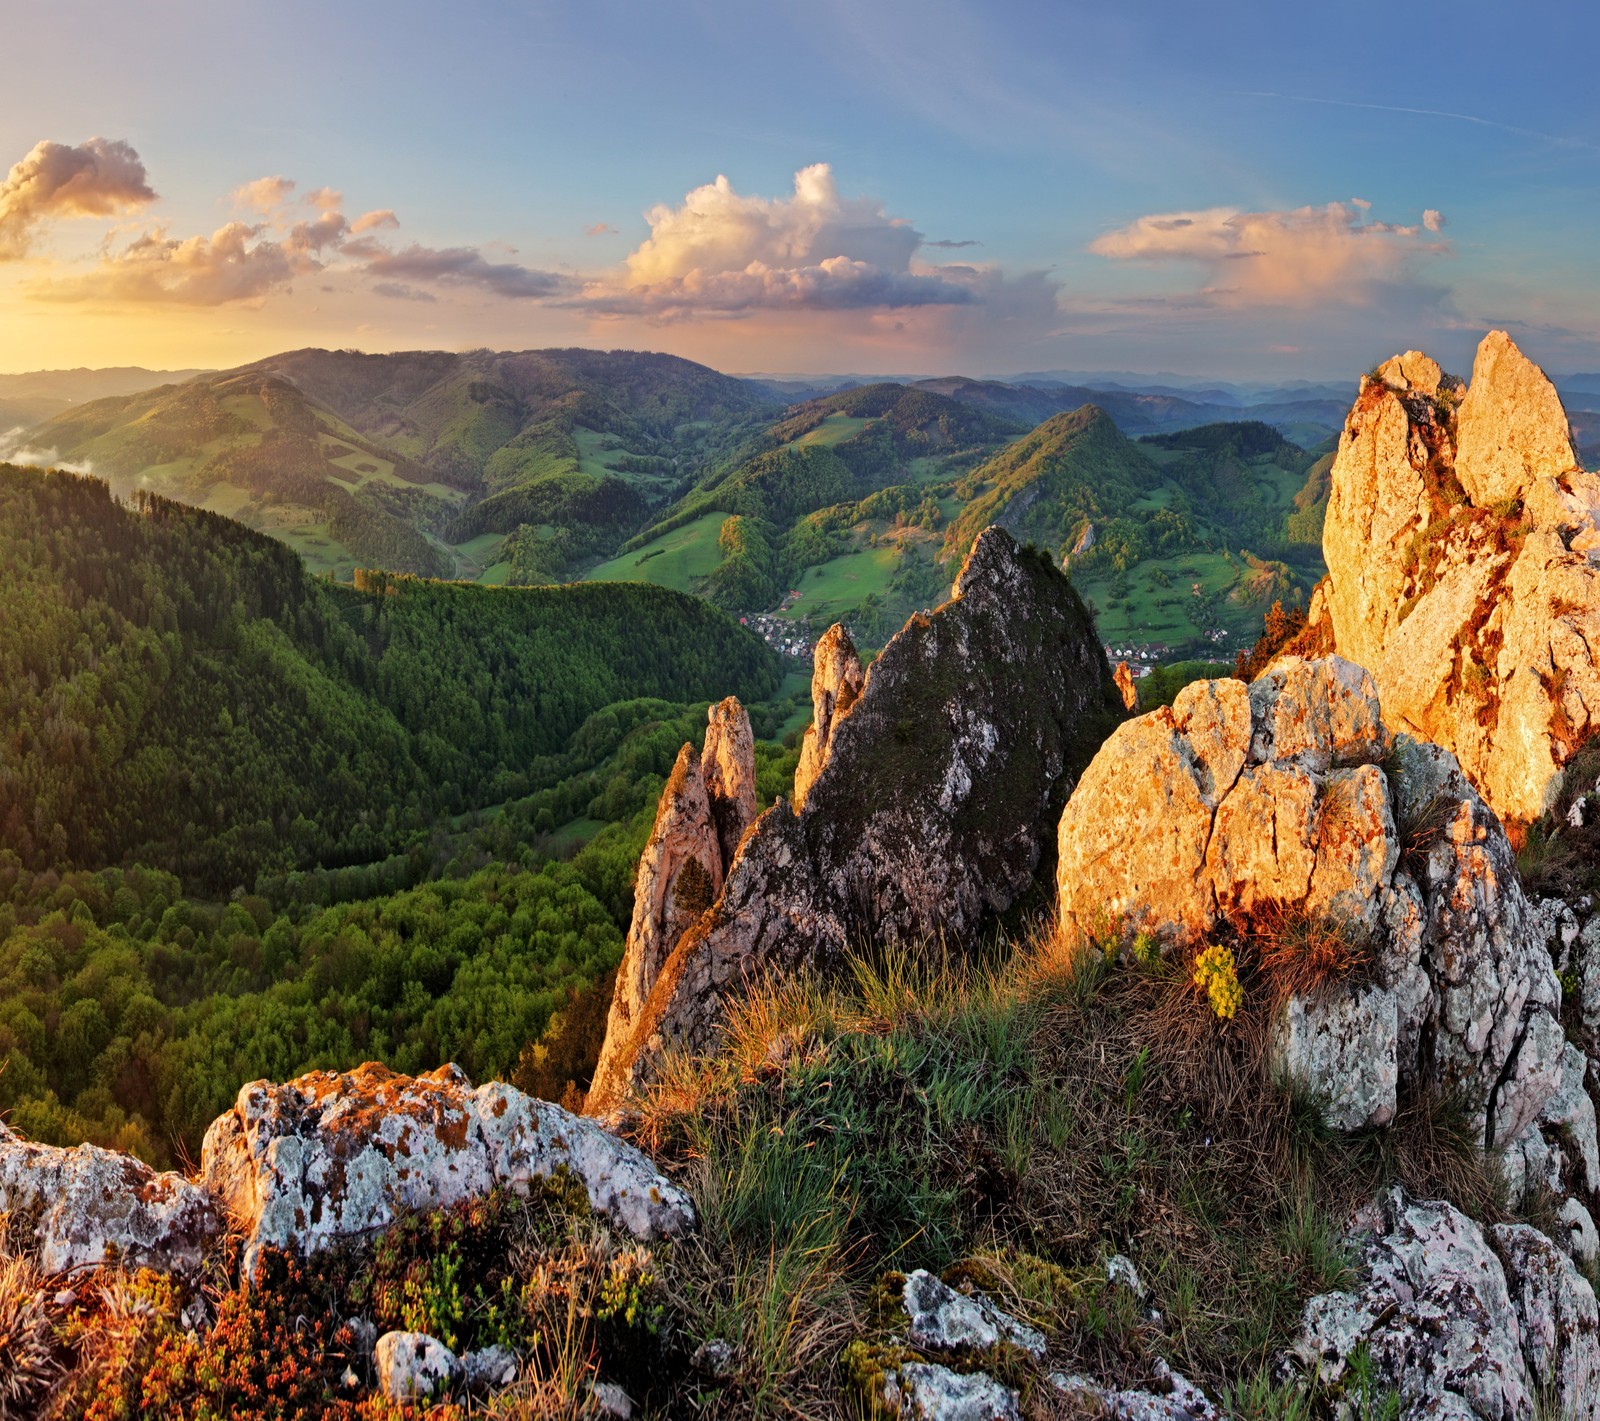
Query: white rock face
[
  {"x": 83, "y": 1206},
  {"x": 1344, "y": 1043},
  {"x": 489, "y": 1369},
  {"x": 1557, "y": 1317},
  {"x": 1435, "y": 1313},
  {"x": 412, "y": 1366},
  {"x": 942, "y": 1320},
  {"x": 338, "y": 1155},
  {"x": 925, "y": 1391},
  {"x": 1236, "y": 802},
  {"x": 1181, "y": 1400}
]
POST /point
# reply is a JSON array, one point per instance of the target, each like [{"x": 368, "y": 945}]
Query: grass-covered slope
[
  {"x": 178, "y": 690},
  {"x": 397, "y": 461}
]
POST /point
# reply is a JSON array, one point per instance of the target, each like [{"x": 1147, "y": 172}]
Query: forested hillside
[{"x": 180, "y": 692}]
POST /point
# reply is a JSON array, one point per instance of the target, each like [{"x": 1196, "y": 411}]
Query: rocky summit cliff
[
  {"x": 927, "y": 791},
  {"x": 1463, "y": 551}
]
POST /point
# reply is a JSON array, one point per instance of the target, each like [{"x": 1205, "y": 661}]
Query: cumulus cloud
[
  {"x": 99, "y": 178},
  {"x": 327, "y": 199},
  {"x": 600, "y": 229},
  {"x": 1292, "y": 258},
  {"x": 235, "y": 263},
  {"x": 264, "y": 195},
  {"x": 457, "y": 267},
  {"x": 720, "y": 252},
  {"x": 374, "y": 221}
]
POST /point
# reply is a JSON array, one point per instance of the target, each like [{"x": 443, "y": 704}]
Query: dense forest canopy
[{"x": 178, "y": 691}]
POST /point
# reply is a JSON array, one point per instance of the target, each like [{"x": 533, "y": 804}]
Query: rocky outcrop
[
  {"x": 1235, "y": 807},
  {"x": 927, "y": 1391},
  {"x": 707, "y": 805},
  {"x": 835, "y": 683},
  {"x": 1457, "y": 1322},
  {"x": 333, "y": 1156},
  {"x": 411, "y": 1366},
  {"x": 939, "y": 1319},
  {"x": 1126, "y": 686},
  {"x": 85, "y": 1207},
  {"x": 728, "y": 767},
  {"x": 1463, "y": 552},
  {"x": 938, "y": 788}
]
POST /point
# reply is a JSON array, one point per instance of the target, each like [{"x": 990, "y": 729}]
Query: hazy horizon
[{"x": 821, "y": 187}]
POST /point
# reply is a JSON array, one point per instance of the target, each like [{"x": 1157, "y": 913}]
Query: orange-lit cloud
[
  {"x": 235, "y": 263},
  {"x": 264, "y": 195},
  {"x": 720, "y": 252},
  {"x": 375, "y": 220},
  {"x": 99, "y": 178},
  {"x": 1294, "y": 258}
]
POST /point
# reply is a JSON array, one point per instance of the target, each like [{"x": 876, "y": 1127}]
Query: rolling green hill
[
  {"x": 406, "y": 461},
  {"x": 178, "y": 690}
]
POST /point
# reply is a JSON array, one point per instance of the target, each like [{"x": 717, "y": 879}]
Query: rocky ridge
[
  {"x": 1291, "y": 797},
  {"x": 1463, "y": 552},
  {"x": 927, "y": 801}
]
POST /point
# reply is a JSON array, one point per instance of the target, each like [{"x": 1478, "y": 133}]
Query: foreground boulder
[
  {"x": 1463, "y": 552},
  {"x": 933, "y": 795},
  {"x": 338, "y": 1155},
  {"x": 1459, "y": 1321},
  {"x": 85, "y": 1207},
  {"x": 1288, "y": 801}
]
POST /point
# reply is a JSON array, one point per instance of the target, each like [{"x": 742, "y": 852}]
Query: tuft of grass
[{"x": 29, "y": 1366}]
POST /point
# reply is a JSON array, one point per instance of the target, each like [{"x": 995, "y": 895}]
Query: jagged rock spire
[
  {"x": 708, "y": 803},
  {"x": 835, "y": 684}
]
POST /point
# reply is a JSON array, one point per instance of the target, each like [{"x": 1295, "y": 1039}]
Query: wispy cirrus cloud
[
  {"x": 1298, "y": 257},
  {"x": 100, "y": 178}
]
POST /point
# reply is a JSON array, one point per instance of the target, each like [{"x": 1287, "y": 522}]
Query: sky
[{"x": 1231, "y": 191}]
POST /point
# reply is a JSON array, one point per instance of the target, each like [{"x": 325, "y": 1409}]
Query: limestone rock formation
[
  {"x": 1123, "y": 676},
  {"x": 1289, "y": 796},
  {"x": 1463, "y": 552},
  {"x": 728, "y": 767},
  {"x": 1180, "y": 1400},
  {"x": 708, "y": 803},
  {"x": 926, "y": 1391},
  {"x": 79, "y": 1208},
  {"x": 939, "y": 784},
  {"x": 332, "y": 1156},
  {"x": 835, "y": 683},
  {"x": 1458, "y": 1323},
  {"x": 412, "y": 1366},
  {"x": 939, "y": 1319}
]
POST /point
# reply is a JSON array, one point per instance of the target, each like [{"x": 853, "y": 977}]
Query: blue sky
[{"x": 1145, "y": 186}]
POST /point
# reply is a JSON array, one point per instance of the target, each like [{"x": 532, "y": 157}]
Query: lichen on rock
[
  {"x": 1291, "y": 796},
  {"x": 342, "y": 1155},
  {"x": 85, "y": 1207}
]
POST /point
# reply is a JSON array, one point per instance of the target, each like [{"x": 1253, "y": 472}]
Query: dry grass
[
  {"x": 29, "y": 1366},
  {"x": 1011, "y": 1125}
]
